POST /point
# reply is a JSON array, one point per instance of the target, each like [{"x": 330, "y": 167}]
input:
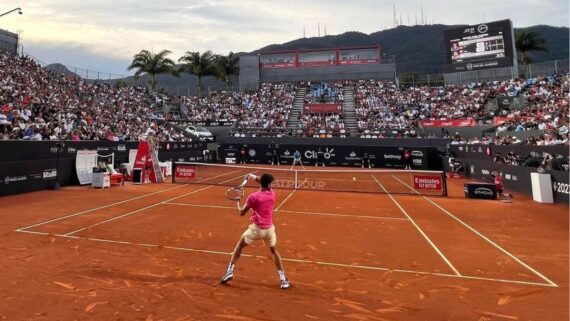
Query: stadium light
[{"x": 19, "y": 10}]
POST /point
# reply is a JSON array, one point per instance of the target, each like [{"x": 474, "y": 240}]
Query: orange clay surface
[{"x": 157, "y": 251}]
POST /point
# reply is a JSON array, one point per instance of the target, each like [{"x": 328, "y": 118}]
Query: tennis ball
[{"x": 353, "y": 178}]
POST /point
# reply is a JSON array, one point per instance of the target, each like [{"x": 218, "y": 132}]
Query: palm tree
[
  {"x": 527, "y": 41},
  {"x": 198, "y": 64},
  {"x": 227, "y": 66},
  {"x": 146, "y": 62}
]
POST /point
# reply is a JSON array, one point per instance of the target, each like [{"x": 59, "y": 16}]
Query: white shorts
[{"x": 254, "y": 233}]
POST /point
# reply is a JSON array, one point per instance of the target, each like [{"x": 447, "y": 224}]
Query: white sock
[
  {"x": 231, "y": 267},
  {"x": 281, "y": 275}
]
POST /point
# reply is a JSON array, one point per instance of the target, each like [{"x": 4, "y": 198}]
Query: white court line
[
  {"x": 147, "y": 207},
  {"x": 297, "y": 212},
  {"x": 116, "y": 203},
  {"x": 418, "y": 228},
  {"x": 413, "y": 189},
  {"x": 342, "y": 265},
  {"x": 289, "y": 196},
  {"x": 498, "y": 247},
  {"x": 98, "y": 208}
]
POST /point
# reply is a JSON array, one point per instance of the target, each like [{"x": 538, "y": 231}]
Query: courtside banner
[
  {"x": 185, "y": 171},
  {"x": 427, "y": 182}
]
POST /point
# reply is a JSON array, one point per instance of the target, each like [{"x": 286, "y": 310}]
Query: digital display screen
[{"x": 483, "y": 46}]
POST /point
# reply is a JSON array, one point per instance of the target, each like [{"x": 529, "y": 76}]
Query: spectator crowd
[{"x": 38, "y": 104}]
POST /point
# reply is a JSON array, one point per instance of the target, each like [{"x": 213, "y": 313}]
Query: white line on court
[
  {"x": 150, "y": 206},
  {"x": 512, "y": 256},
  {"x": 418, "y": 228},
  {"x": 298, "y": 212},
  {"x": 98, "y": 208},
  {"x": 498, "y": 247},
  {"x": 401, "y": 181},
  {"x": 413, "y": 189},
  {"x": 364, "y": 267},
  {"x": 117, "y": 203},
  {"x": 289, "y": 196}
]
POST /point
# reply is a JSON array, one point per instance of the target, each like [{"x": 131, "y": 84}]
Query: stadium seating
[{"x": 37, "y": 104}]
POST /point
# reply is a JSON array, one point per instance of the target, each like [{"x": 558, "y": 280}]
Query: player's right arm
[{"x": 244, "y": 210}]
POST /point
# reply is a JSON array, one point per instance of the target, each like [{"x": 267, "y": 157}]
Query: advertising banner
[
  {"x": 466, "y": 122},
  {"x": 322, "y": 108}
]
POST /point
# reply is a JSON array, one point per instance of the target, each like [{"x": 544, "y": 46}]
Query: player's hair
[{"x": 266, "y": 180}]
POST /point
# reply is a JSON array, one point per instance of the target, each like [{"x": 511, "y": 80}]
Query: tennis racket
[{"x": 235, "y": 194}]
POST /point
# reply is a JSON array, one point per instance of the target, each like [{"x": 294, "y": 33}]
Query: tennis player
[
  {"x": 297, "y": 159},
  {"x": 261, "y": 227}
]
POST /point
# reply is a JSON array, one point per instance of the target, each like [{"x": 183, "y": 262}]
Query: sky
[{"x": 103, "y": 35}]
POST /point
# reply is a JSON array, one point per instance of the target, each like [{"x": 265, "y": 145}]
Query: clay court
[{"x": 157, "y": 252}]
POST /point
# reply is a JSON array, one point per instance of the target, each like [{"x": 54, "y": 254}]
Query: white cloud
[{"x": 118, "y": 29}]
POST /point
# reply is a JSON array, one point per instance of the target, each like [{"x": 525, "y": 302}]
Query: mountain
[
  {"x": 420, "y": 48},
  {"x": 60, "y": 69}
]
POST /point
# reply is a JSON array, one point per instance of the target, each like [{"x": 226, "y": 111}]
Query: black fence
[{"x": 27, "y": 166}]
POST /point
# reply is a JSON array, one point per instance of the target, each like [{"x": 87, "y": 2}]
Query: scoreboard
[{"x": 477, "y": 47}]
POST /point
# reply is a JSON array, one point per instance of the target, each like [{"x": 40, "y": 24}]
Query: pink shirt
[{"x": 262, "y": 203}]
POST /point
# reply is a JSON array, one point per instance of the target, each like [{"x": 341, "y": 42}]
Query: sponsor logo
[
  {"x": 417, "y": 153},
  {"x": 122, "y": 148},
  {"x": 427, "y": 182},
  {"x": 71, "y": 150},
  {"x": 468, "y": 66},
  {"x": 485, "y": 172},
  {"x": 53, "y": 149},
  {"x": 508, "y": 176},
  {"x": 472, "y": 169},
  {"x": 482, "y": 28},
  {"x": 49, "y": 173},
  {"x": 231, "y": 154},
  {"x": 515, "y": 178},
  {"x": 483, "y": 191},
  {"x": 328, "y": 153},
  {"x": 392, "y": 156},
  {"x": 102, "y": 148},
  {"x": 417, "y": 161},
  {"x": 184, "y": 171},
  {"x": 192, "y": 159},
  {"x": 252, "y": 153},
  {"x": 352, "y": 154},
  {"x": 13, "y": 179},
  {"x": 287, "y": 153}
]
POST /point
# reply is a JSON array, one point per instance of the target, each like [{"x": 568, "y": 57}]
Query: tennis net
[{"x": 385, "y": 181}]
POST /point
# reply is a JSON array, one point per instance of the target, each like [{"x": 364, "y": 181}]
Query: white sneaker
[
  {"x": 227, "y": 277},
  {"x": 285, "y": 284}
]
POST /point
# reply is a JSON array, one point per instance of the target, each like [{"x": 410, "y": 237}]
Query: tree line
[{"x": 192, "y": 62}]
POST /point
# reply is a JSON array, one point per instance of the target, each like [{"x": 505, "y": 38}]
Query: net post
[
  {"x": 296, "y": 180},
  {"x": 444, "y": 183},
  {"x": 173, "y": 172}
]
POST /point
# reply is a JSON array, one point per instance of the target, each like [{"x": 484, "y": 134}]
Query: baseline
[{"x": 324, "y": 263}]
